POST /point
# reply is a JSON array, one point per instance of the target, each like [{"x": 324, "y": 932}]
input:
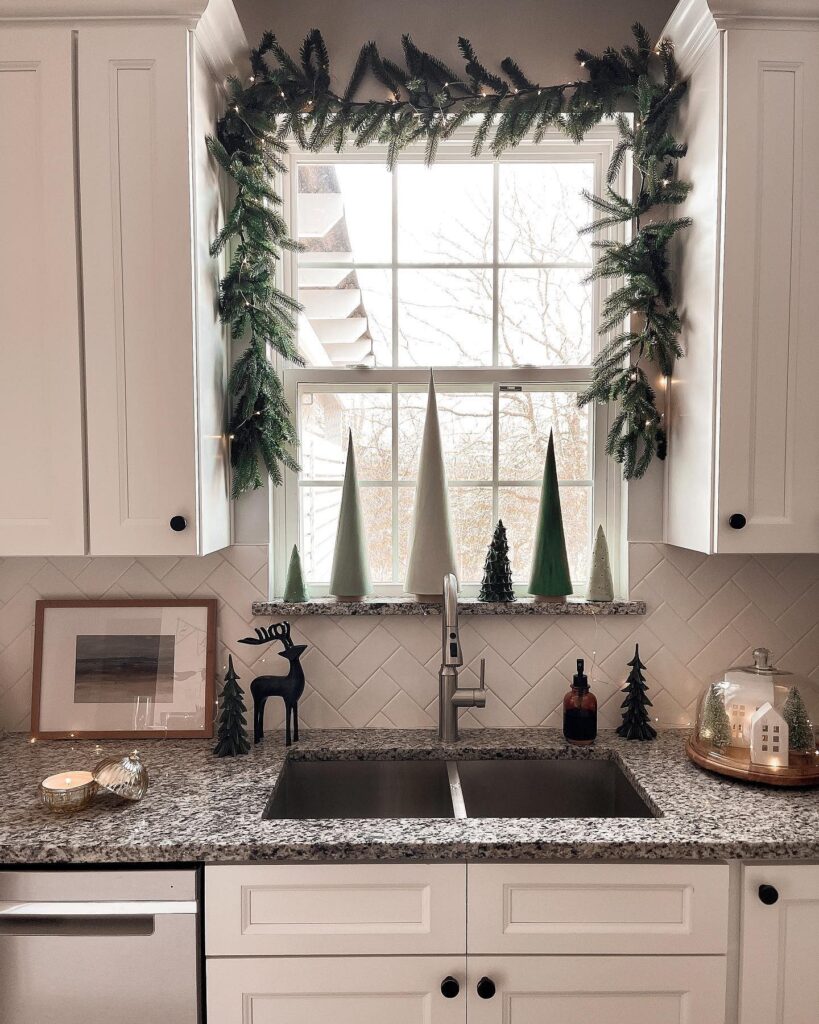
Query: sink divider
[{"x": 455, "y": 791}]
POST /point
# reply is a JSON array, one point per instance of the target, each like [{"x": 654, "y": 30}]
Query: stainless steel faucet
[{"x": 450, "y": 695}]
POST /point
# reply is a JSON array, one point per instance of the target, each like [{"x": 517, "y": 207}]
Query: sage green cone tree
[
  {"x": 350, "y": 577},
  {"x": 601, "y": 587},
  {"x": 295, "y": 589},
  {"x": 432, "y": 552},
  {"x": 550, "y": 564}
]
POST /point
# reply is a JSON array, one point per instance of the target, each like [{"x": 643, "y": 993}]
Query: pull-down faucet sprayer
[{"x": 450, "y": 695}]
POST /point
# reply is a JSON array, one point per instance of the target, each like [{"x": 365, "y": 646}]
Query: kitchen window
[{"x": 473, "y": 267}]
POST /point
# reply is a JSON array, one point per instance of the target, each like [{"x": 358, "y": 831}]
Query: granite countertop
[{"x": 200, "y": 808}]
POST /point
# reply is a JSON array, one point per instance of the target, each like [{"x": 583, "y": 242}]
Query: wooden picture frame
[{"x": 53, "y": 673}]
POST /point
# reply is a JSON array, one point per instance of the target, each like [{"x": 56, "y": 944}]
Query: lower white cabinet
[
  {"x": 338, "y": 990},
  {"x": 779, "y": 974},
  {"x": 596, "y": 989}
]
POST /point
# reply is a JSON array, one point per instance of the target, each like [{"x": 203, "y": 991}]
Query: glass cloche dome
[{"x": 759, "y": 723}]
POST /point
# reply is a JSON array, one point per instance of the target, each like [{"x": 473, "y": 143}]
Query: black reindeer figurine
[{"x": 289, "y": 687}]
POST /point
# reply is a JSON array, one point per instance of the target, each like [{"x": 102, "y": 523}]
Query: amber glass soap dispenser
[{"x": 580, "y": 710}]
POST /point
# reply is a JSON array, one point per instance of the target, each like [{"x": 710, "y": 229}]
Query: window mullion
[
  {"x": 495, "y": 259},
  {"x": 396, "y": 518}
]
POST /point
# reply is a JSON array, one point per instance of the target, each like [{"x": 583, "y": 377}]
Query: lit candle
[{"x": 65, "y": 781}]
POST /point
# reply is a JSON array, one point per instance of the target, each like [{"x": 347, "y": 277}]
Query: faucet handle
[{"x": 482, "y": 676}]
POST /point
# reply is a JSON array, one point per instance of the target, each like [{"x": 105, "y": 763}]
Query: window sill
[{"x": 466, "y": 606}]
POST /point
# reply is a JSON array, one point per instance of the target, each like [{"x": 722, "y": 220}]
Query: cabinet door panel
[
  {"x": 779, "y": 980},
  {"x": 602, "y": 989},
  {"x": 138, "y": 288},
  {"x": 768, "y": 414},
  {"x": 597, "y": 908},
  {"x": 339, "y": 990},
  {"x": 41, "y": 455}
]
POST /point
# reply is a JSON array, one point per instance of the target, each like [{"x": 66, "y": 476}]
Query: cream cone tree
[
  {"x": 600, "y": 586},
  {"x": 295, "y": 589},
  {"x": 350, "y": 578},
  {"x": 550, "y": 579},
  {"x": 432, "y": 551}
]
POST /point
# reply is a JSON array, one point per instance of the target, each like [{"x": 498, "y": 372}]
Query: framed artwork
[{"x": 133, "y": 669}]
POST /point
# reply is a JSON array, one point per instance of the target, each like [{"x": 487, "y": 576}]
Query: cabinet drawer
[
  {"x": 592, "y": 908},
  {"x": 335, "y": 909}
]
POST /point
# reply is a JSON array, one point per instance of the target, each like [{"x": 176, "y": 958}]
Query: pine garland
[{"x": 291, "y": 99}]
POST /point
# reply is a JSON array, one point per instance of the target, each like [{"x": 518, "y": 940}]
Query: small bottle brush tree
[
  {"x": 800, "y": 731},
  {"x": 636, "y": 724},
  {"x": 716, "y": 727},
  {"x": 551, "y": 579},
  {"x": 232, "y": 733},
  {"x": 497, "y": 573}
]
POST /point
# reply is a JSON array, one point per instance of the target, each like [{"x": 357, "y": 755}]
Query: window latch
[{"x": 510, "y": 387}]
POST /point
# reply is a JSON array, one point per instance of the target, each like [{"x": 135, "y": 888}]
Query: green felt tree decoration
[
  {"x": 716, "y": 726},
  {"x": 497, "y": 573},
  {"x": 295, "y": 589},
  {"x": 422, "y": 100},
  {"x": 350, "y": 577},
  {"x": 550, "y": 578},
  {"x": 600, "y": 586},
  {"x": 800, "y": 731},
  {"x": 636, "y": 722},
  {"x": 232, "y": 732}
]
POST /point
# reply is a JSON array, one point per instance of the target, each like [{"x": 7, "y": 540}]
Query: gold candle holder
[{"x": 67, "y": 791}]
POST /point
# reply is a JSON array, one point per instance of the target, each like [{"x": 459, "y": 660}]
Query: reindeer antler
[{"x": 276, "y": 631}]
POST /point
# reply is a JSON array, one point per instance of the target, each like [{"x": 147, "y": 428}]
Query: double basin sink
[{"x": 504, "y": 788}]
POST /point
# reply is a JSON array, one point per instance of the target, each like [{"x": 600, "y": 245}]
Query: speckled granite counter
[{"x": 200, "y": 808}]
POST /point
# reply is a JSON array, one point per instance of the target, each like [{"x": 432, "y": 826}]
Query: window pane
[
  {"x": 470, "y": 510},
  {"x": 466, "y": 432},
  {"x": 445, "y": 213},
  {"x": 518, "y": 506},
  {"x": 325, "y": 419},
  {"x": 347, "y": 317},
  {"x": 319, "y": 524},
  {"x": 406, "y": 507},
  {"x": 544, "y": 318},
  {"x": 541, "y": 210},
  {"x": 344, "y": 212},
  {"x": 525, "y": 418},
  {"x": 445, "y": 317}
]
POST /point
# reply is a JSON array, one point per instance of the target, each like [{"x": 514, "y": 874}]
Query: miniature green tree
[
  {"x": 600, "y": 586},
  {"x": 550, "y": 564},
  {"x": 232, "y": 733},
  {"x": 800, "y": 731},
  {"x": 350, "y": 577},
  {"x": 636, "y": 724},
  {"x": 295, "y": 589},
  {"x": 716, "y": 726},
  {"x": 497, "y": 573}
]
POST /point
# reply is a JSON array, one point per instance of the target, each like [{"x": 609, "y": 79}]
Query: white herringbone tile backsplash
[{"x": 704, "y": 614}]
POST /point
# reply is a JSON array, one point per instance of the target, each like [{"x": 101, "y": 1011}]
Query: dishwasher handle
[{"x": 10, "y": 909}]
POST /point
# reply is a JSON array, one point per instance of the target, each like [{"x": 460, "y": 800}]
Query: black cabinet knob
[
  {"x": 178, "y": 523},
  {"x": 450, "y": 987},
  {"x": 737, "y": 521},
  {"x": 768, "y": 895},
  {"x": 486, "y": 988}
]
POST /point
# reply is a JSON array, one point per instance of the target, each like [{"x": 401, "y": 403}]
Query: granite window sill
[{"x": 466, "y": 606}]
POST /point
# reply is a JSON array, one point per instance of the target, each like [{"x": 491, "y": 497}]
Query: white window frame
[{"x": 608, "y": 492}]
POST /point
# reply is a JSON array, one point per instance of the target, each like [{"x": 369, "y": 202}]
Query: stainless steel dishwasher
[{"x": 99, "y": 947}]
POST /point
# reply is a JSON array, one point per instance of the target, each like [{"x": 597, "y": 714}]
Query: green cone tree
[
  {"x": 295, "y": 589},
  {"x": 636, "y": 724},
  {"x": 716, "y": 726},
  {"x": 550, "y": 564},
  {"x": 497, "y": 573},
  {"x": 232, "y": 733},
  {"x": 800, "y": 731},
  {"x": 350, "y": 577},
  {"x": 601, "y": 587}
]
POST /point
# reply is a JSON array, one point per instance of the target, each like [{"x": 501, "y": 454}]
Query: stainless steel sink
[{"x": 503, "y": 788}]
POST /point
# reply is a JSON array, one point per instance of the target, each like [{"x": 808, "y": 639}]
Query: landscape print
[{"x": 120, "y": 669}]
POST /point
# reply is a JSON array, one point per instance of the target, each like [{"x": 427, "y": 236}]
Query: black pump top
[{"x": 581, "y": 680}]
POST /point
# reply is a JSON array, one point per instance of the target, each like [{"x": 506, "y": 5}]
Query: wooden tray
[{"x": 735, "y": 762}]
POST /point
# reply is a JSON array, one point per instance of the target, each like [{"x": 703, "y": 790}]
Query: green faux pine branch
[{"x": 290, "y": 99}]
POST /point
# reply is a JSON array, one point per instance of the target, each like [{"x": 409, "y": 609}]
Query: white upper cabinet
[
  {"x": 41, "y": 454},
  {"x": 743, "y": 468},
  {"x": 117, "y": 274}
]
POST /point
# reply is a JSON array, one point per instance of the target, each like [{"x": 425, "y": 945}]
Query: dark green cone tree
[
  {"x": 636, "y": 722},
  {"x": 232, "y": 733},
  {"x": 497, "y": 573},
  {"x": 550, "y": 564}
]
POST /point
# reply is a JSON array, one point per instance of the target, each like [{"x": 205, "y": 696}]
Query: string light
[{"x": 252, "y": 78}]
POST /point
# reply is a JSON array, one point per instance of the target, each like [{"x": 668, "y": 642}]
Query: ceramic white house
[
  {"x": 745, "y": 700},
  {"x": 769, "y": 737}
]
